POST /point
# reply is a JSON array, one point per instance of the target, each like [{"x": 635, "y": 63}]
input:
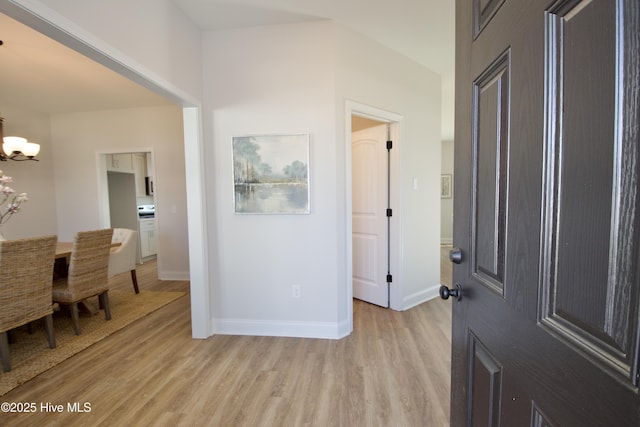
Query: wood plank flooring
[{"x": 393, "y": 370}]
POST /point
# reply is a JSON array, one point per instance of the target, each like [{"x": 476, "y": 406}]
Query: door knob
[
  {"x": 445, "y": 292},
  {"x": 455, "y": 255}
]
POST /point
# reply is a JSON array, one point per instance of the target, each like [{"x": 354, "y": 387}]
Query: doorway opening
[
  {"x": 373, "y": 208},
  {"x": 446, "y": 210},
  {"x": 128, "y": 198},
  {"x": 64, "y": 32}
]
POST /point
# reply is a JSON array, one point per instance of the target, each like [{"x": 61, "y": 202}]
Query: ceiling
[
  {"x": 41, "y": 74},
  {"x": 423, "y": 30}
]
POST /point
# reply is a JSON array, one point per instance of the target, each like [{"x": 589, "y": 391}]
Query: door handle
[
  {"x": 455, "y": 255},
  {"x": 445, "y": 292}
]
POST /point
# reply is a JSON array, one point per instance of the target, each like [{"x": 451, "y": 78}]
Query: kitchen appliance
[
  {"x": 146, "y": 211},
  {"x": 148, "y": 183}
]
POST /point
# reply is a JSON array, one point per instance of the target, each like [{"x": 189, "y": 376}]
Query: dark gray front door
[{"x": 546, "y": 213}]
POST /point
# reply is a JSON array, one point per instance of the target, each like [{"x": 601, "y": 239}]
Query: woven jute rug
[{"x": 31, "y": 355}]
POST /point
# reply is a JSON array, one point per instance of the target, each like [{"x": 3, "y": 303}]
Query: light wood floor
[{"x": 393, "y": 370}]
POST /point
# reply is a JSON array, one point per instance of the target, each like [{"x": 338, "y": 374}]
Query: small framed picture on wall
[{"x": 446, "y": 186}]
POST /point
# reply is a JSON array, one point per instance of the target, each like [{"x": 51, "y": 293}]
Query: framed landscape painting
[{"x": 271, "y": 174}]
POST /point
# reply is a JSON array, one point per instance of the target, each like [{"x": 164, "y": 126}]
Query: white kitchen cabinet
[
  {"x": 140, "y": 170},
  {"x": 120, "y": 162},
  {"x": 147, "y": 237},
  {"x": 149, "y": 164}
]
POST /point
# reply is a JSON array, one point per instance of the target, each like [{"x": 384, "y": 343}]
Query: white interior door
[{"x": 370, "y": 186}]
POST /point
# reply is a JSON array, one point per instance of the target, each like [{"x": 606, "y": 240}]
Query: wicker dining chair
[
  {"x": 26, "y": 273},
  {"x": 88, "y": 273}
]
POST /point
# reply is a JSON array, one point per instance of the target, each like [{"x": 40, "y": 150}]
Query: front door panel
[
  {"x": 546, "y": 213},
  {"x": 490, "y": 149},
  {"x": 587, "y": 294}
]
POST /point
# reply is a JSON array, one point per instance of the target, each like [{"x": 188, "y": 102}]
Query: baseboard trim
[
  {"x": 420, "y": 297},
  {"x": 322, "y": 330},
  {"x": 173, "y": 275}
]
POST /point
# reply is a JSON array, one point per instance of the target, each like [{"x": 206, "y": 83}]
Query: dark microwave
[{"x": 148, "y": 182}]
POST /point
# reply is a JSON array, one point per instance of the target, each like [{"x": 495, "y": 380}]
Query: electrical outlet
[{"x": 295, "y": 291}]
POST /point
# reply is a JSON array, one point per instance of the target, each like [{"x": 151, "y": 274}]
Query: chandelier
[{"x": 17, "y": 148}]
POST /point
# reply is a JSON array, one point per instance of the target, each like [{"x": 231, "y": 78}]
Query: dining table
[{"x": 63, "y": 249}]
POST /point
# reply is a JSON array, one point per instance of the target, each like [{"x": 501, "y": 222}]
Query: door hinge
[
  {"x": 389, "y": 212},
  {"x": 389, "y": 145},
  {"x": 389, "y": 278}
]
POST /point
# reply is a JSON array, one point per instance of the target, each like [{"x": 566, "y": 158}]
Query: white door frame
[
  {"x": 64, "y": 31},
  {"x": 363, "y": 110}
]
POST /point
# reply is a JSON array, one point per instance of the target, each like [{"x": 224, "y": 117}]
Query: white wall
[
  {"x": 275, "y": 79},
  {"x": 64, "y": 185},
  {"x": 446, "y": 235},
  {"x": 78, "y": 140},
  {"x": 293, "y": 79},
  {"x": 371, "y": 74},
  {"x": 270, "y": 80},
  {"x": 38, "y": 216}
]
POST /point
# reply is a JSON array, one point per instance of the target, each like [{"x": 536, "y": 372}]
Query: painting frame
[
  {"x": 271, "y": 174},
  {"x": 446, "y": 186}
]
